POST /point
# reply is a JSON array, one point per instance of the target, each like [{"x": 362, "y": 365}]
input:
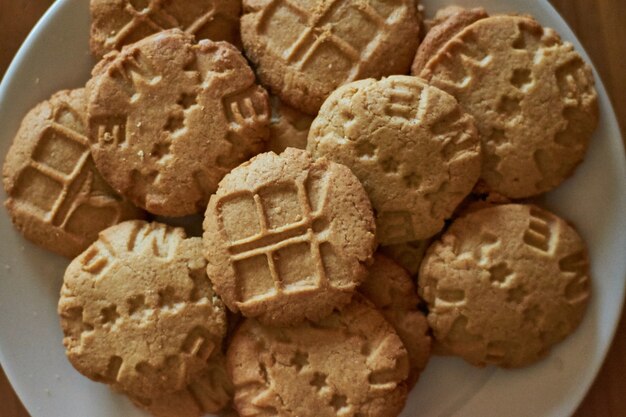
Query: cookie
[
  {"x": 169, "y": 118},
  {"x": 408, "y": 255},
  {"x": 447, "y": 22},
  {"x": 55, "y": 196},
  {"x": 532, "y": 96},
  {"x": 138, "y": 311},
  {"x": 413, "y": 148},
  {"x": 303, "y": 50},
  {"x": 350, "y": 364},
  {"x": 390, "y": 288},
  {"x": 289, "y": 127},
  {"x": 210, "y": 391},
  {"x": 504, "y": 284},
  {"x": 286, "y": 238},
  {"x": 115, "y": 23}
]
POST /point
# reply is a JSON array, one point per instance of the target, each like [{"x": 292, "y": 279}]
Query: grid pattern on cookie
[
  {"x": 324, "y": 36},
  {"x": 278, "y": 239},
  {"x": 152, "y": 16},
  {"x": 57, "y": 186}
]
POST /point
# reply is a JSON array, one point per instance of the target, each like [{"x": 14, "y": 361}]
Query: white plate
[{"x": 56, "y": 56}]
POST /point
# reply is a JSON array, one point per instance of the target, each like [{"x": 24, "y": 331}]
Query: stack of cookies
[{"x": 354, "y": 216}]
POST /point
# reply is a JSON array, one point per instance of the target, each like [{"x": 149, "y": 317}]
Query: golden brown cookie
[
  {"x": 413, "y": 148},
  {"x": 289, "y": 127},
  {"x": 138, "y": 311},
  {"x": 448, "y": 22},
  {"x": 169, "y": 118},
  {"x": 210, "y": 391},
  {"x": 55, "y": 196},
  {"x": 115, "y": 23},
  {"x": 532, "y": 96},
  {"x": 350, "y": 364},
  {"x": 303, "y": 50},
  {"x": 408, "y": 255},
  {"x": 390, "y": 288},
  {"x": 504, "y": 284},
  {"x": 286, "y": 238}
]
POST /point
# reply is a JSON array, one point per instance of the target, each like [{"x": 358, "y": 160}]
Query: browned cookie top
[
  {"x": 532, "y": 96},
  {"x": 504, "y": 284},
  {"x": 286, "y": 238},
  {"x": 351, "y": 363},
  {"x": 138, "y": 311},
  {"x": 115, "y": 23},
  {"x": 169, "y": 118},
  {"x": 305, "y": 49},
  {"x": 56, "y": 197}
]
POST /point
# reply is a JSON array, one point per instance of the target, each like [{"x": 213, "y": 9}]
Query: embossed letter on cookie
[
  {"x": 169, "y": 118},
  {"x": 286, "y": 238},
  {"x": 138, "y": 312}
]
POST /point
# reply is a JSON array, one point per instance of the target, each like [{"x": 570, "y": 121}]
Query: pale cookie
[
  {"x": 210, "y": 391},
  {"x": 408, "y": 255},
  {"x": 115, "y": 23},
  {"x": 138, "y": 311},
  {"x": 532, "y": 96},
  {"x": 504, "y": 284},
  {"x": 169, "y": 118},
  {"x": 390, "y": 288},
  {"x": 289, "y": 127},
  {"x": 350, "y": 364},
  {"x": 286, "y": 238},
  {"x": 410, "y": 144},
  {"x": 55, "y": 196},
  {"x": 304, "y": 49}
]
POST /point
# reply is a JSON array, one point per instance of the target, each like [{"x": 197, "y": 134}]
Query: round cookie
[
  {"x": 390, "y": 288},
  {"x": 286, "y": 238},
  {"x": 138, "y": 311},
  {"x": 532, "y": 96},
  {"x": 408, "y": 255},
  {"x": 504, "y": 284},
  {"x": 413, "y": 148},
  {"x": 303, "y": 50},
  {"x": 55, "y": 196},
  {"x": 289, "y": 127},
  {"x": 210, "y": 391},
  {"x": 350, "y": 364},
  {"x": 115, "y": 23},
  {"x": 169, "y": 118}
]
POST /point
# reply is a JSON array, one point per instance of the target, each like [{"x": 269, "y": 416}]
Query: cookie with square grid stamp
[
  {"x": 289, "y": 127},
  {"x": 352, "y": 363},
  {"x": 169, "y": 118},
  {"x": 390, "y": 288},
  {"x": 210, "y": 391},
  {"x": 287, "y": 238},
  {"x": 531, "y": 94},
  {"x": 56, "y": 197},
  {"x": 116, "y": 23},
  {"x": 138, "y": 311},
  {"x": 504, "y": 284},
  {"x": 303, "y": 50},
  {"x": 413, "y": 148}
]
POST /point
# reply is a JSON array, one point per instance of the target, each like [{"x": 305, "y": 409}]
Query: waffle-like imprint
[
  {"x": 56, "y": 197},
  {"x": 303, "y": 50},
  {"x": 115, "y": 23},
  {"x": 287, "y": 238}
]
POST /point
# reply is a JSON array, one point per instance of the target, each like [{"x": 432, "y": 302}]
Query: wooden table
[{"x": 601, "y": 27}]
